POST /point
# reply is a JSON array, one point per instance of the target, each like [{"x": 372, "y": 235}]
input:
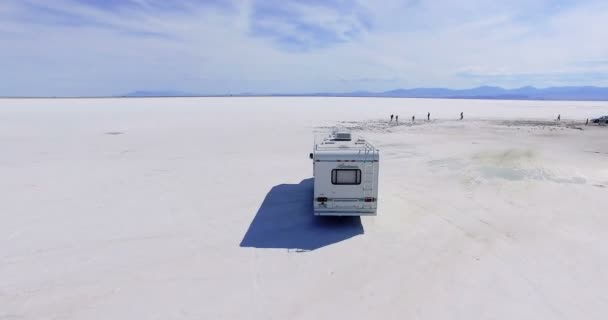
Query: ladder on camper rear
[{"x": 368, "y": 175}]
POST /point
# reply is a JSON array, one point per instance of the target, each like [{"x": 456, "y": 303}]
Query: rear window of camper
[{"x": 346, "y": 176}]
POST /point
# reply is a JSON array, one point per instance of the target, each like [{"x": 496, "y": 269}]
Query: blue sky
[{"x": 109, "y": 47}]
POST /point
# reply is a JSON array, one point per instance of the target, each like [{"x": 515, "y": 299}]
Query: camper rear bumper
[{"x": 351, "y": 212}]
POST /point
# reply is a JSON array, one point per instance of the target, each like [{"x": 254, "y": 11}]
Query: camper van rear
[{"x": 345, "y": 176}]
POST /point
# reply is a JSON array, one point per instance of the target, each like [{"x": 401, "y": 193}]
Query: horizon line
[{"x": 448, "y": 93}]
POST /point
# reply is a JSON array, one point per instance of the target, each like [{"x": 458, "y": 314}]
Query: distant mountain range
[
  {"x": 484, "y": 92},
  {"x": 165, "y": 93}
]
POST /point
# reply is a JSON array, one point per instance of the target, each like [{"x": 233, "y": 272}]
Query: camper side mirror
[{"x": 310, "y": 155}]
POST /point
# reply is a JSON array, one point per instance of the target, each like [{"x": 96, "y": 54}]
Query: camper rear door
[{"x": 346, "y": 188}]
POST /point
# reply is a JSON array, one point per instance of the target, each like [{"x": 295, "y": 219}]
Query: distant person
[
  {"x": 428, "y": 116},
  {"x": 461, "y": 115},
  {"x": 413, "y": 118},
  {"x": 559, "y": 117},
  {"x": 392, "y": 118},
  {"x": 587, "y": 122},
  {"x": 397, "y": 118}
]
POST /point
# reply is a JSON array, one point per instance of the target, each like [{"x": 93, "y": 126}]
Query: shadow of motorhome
[{"x": 286, "y": 220}]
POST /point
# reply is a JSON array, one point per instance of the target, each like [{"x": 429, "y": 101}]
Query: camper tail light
[
  {"x": 321, "y": 199},
  {"x": 369, "y": 199}
]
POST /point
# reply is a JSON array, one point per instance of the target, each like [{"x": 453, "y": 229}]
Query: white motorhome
[{"x": 345, "y": 173}]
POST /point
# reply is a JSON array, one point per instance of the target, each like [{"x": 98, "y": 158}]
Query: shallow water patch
[{"x": 520, "y": 174}]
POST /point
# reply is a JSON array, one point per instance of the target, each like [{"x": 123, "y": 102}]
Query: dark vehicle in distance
[{"x": 600, "y": 120}]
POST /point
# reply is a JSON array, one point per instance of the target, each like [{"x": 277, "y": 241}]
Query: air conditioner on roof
[{"x": 342, "y": 136}]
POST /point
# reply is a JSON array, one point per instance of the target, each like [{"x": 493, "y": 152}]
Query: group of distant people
[{"x": 428, "y": 117}]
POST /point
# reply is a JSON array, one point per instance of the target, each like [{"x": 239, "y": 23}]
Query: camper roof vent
[{"x": 342, "y": 136}]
